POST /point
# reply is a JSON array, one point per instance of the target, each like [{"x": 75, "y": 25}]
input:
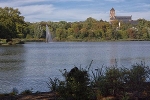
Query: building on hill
[{"x": 125, "y": 19}]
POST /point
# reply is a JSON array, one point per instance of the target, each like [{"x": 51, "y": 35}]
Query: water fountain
[{"x": 48, "y": 35}]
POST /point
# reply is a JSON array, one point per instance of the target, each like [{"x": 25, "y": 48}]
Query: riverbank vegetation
[
  {"x": 13, "y": 26},
  {"x": 103, "y": 83},
  {"x": 115, "y": 82}
]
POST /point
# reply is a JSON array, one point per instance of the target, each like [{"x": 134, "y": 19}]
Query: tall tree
[{"x": 11, "y": 23}]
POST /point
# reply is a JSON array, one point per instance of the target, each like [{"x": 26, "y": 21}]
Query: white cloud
[
  {"x": 37, "y": 12},
  {"x": 66, "y": 15},
  {"x": 46, "y": 10},
  {"x": 14, "y": 3},
  {"x": 79, "y": 15},
  {"x": 36, "y": 9}
]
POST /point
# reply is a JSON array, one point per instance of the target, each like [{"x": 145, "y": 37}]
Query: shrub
[
  {"x": 76, "y": 85},
  {"x": 106, "y": 81},
  {"x": 14, "y": 91},
  {"x": 26, "y": 92},
  {"x": 99, "y": 81},
  {"x": 53, "y": 84},
  {"x": 139, "y": 73},
  {"x": 114, "y": 80}
]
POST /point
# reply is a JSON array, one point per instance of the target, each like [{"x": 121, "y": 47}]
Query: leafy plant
[
  {"x": 76, "y": 85},
  {"x": 105, "y": 81},
  {"x": 125, "y": 97},
  {"x": 139, "y": 74},
  {"x": 14, "y": 91},
  {"x": 53, "y": 84},
  {"x": 27, "y": 92}
]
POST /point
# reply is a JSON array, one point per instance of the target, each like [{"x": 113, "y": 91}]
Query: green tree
[
  {"x": 70, "y": 34},
  {"x": 11, "y": 23},
  {"x": 76, "y": 29},
  {"x": 59, "y": 33},
  {"x": 37, "y": 31},
  {"x": 84, "y": 33}
]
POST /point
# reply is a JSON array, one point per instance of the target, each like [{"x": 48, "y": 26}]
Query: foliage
[
  {"x": 53, "y": 84},
  {"x": 114, "y": 80},
  {"x": 13, "y": 26},
  {"x": 139, "y": 73},
  {"x": 104, "y": 81},
  {"x": 15, "y": 91},
  {"x": 92, "y": 29},
  {"x": 125, "y": 97},
  {"x": 76, "y": 85},
  {"x": 27, "y": 92}
]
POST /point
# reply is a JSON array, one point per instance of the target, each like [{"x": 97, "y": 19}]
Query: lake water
[{"x": 30, "y": 65}]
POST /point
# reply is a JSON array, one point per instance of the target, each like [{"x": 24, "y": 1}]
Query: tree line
[{"x": 12, "y": 25}]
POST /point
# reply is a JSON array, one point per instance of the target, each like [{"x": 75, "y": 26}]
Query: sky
[{"x": 78, "y": 10}]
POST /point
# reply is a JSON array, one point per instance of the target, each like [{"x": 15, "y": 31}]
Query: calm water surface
[{"x": 29, "y": 66}]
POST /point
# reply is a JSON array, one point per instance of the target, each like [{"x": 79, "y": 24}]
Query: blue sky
[{"x": 78, "y": 10}]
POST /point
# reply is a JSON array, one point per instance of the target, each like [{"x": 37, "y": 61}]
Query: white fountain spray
[{"x": 48, "y": 35}]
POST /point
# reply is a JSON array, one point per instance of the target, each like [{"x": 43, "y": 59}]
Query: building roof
[
  {"x": 112, "y": 18},
  {"x": 123, "y": 17},
  {"x": 134, "y": 22}
]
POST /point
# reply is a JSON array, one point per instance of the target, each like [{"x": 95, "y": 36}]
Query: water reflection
[
  {"x": 11, "y": 67},
  {"x": 127, "y": 53}
]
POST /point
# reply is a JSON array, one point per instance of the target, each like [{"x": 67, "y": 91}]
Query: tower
[{"x": 112, "y": 13}]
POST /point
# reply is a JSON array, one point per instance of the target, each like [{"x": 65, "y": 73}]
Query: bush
[
  {"x": 76, "y": 85},
  {"x": 26, "y": 92},
  {"x": 114, "y": 80},
  {"x": 139, "y": 73},
  {"x": 53, "y": 84},
  {"x": 15, "y": 91},
  {"x": 106, "y": 81}
]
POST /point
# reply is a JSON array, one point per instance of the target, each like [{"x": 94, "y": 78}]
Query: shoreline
[
  {"x": 7, "y": 42},
  {"x": 22, "y": 41}
]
